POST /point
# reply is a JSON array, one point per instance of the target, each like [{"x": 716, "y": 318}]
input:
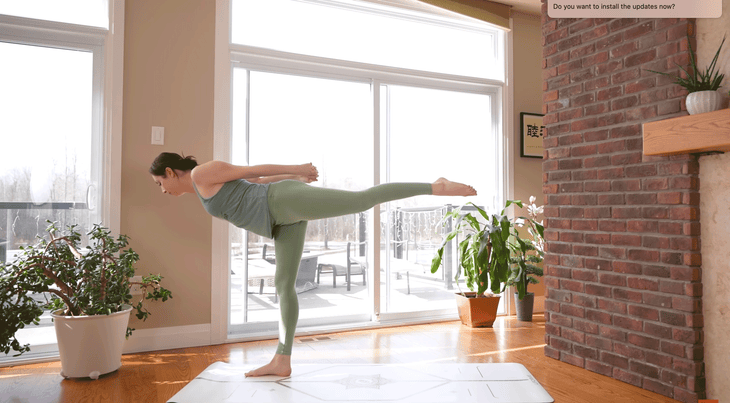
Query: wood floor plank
[{"x": 157, "y": 376}]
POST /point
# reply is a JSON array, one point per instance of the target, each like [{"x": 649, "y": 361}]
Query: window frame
[
  {"x": 107, "y": 47},
  {"x": 229, "y": 56}
]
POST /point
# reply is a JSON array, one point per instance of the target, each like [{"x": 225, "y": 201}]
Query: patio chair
[
  {"x": 263, "y": 255},
  {"x": 352, "y": 267}
]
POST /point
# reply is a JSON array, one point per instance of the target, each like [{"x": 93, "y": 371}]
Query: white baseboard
[
  {"x": 142, "y": 340},
  {"x": 166, "y": 338}
]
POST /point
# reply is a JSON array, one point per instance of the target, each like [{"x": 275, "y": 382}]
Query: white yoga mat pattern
[{"x": 412, "y": 383}]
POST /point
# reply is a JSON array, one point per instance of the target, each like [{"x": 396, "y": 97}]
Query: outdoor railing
[{"x": 7, "y": 238}]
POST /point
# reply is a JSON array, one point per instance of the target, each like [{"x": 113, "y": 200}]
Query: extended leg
[
  {"x": 289, "y": 241},
  {"x": 291, "y": 201}
]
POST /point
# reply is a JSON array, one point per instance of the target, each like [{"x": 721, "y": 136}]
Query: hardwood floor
[{"x": 157, "y": 376}]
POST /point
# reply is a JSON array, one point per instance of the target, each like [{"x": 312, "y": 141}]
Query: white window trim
[
  {"x": 227, "y": 55},
  {"x": 508, "y": 165},
  {"x": 113, "y": 114},
  {"x": 220, "y": 287},
  {"x": 274, "y": 61},
  {"x": 107, "y": 114}
]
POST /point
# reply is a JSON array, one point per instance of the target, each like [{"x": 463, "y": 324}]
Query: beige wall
[
  {"x": 710, "y": 32},
  {"x": 168, "y": 81},
  {"x": 527, "y": 76},
  {"x": 714, "y": 220}
]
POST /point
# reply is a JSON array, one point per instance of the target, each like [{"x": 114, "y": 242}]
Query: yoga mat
[{"x": 360, "y": 383}]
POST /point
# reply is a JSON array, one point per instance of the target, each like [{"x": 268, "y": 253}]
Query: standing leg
[{"x": 289, "y": 241}]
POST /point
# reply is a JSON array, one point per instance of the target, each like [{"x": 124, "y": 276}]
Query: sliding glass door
[
  {"x": 427, "y": 134},
  {"x": 424, "y": 134},
  {"x": 289, "y": 119}
]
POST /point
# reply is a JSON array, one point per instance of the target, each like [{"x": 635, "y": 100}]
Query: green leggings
[{"x": 291, "y": 205}]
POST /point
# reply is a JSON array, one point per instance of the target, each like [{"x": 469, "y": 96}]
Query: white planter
[
  {"x": 703, "y": 101},
  {"x": 90, "y": 346}
]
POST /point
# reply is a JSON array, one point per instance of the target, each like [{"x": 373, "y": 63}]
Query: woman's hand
[
  {"x": 308, "y": 173},
  {"x": 305, "y": 179}
]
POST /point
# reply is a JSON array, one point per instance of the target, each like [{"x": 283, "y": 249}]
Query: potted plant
[
  {"x": 526, "y": 255},
  {"x": 484, "y": 257},
  {"x": 91, "y": 297},
  {"x": 701, "y": 85}
]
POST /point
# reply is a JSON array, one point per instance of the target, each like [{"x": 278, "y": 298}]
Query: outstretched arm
[
  {"x": 278, "y": 178},
  {"x": 215, "y": 172}
]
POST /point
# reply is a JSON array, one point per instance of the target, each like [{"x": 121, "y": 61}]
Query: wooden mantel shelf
[{"x": 688, "y": 134}]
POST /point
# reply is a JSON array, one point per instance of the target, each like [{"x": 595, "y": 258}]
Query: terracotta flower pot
[{"x": 477, "y": 312}]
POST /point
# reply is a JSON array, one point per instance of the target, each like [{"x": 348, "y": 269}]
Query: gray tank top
[{"x": 243, "y": 204}]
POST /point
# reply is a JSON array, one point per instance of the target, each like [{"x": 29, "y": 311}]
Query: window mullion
[
  {"x": 374, "y": 230},
  {"x": 283, "y": 62},
  {"x": 68, "y": 36}
]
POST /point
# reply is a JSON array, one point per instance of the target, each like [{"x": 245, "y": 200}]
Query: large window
[
  {"x": 367, "y": 33},
  {"x": 91, "y": 13},
  {"x": 56, "y": 160},
  {"x": 369, "y": 94}
]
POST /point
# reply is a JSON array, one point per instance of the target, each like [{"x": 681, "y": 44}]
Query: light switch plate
[{"x": 158, "y": 135}]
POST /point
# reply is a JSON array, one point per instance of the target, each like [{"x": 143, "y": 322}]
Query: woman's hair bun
[{"x": 173, "y": 161}]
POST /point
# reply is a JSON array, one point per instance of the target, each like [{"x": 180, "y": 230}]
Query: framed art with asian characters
[{"x": 532, "y": 132}]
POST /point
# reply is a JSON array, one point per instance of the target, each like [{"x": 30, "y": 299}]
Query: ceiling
[{"x": 525, "y": 6}]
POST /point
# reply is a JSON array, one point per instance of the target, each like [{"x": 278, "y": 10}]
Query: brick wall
[{"x": 622, "y": 229}]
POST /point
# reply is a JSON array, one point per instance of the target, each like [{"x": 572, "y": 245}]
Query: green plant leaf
[
  {"x": 94, "y": 282},
  {"x": 698, "y": 80},
  {"x": 481, "y": 211},
  {"x": 473, "y": 222}
]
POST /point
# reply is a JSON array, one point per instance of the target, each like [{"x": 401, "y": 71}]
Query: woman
[{"x": 275, "y": 201}]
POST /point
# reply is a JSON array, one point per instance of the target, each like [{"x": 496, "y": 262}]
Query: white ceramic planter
[
  {"x": 90, "y": 346},
  {"x": 703, "y": 101}
]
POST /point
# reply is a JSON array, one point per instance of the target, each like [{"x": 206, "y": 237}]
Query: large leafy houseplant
[
  {"x": 93, "y": 280},
  {"x": 484, "y": 253},
  {"x": 527, "y": 253}
]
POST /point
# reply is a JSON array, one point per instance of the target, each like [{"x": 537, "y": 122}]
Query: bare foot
[
  {"x": 280, "y": 365},
  {"x": 445, "y": 187}
]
